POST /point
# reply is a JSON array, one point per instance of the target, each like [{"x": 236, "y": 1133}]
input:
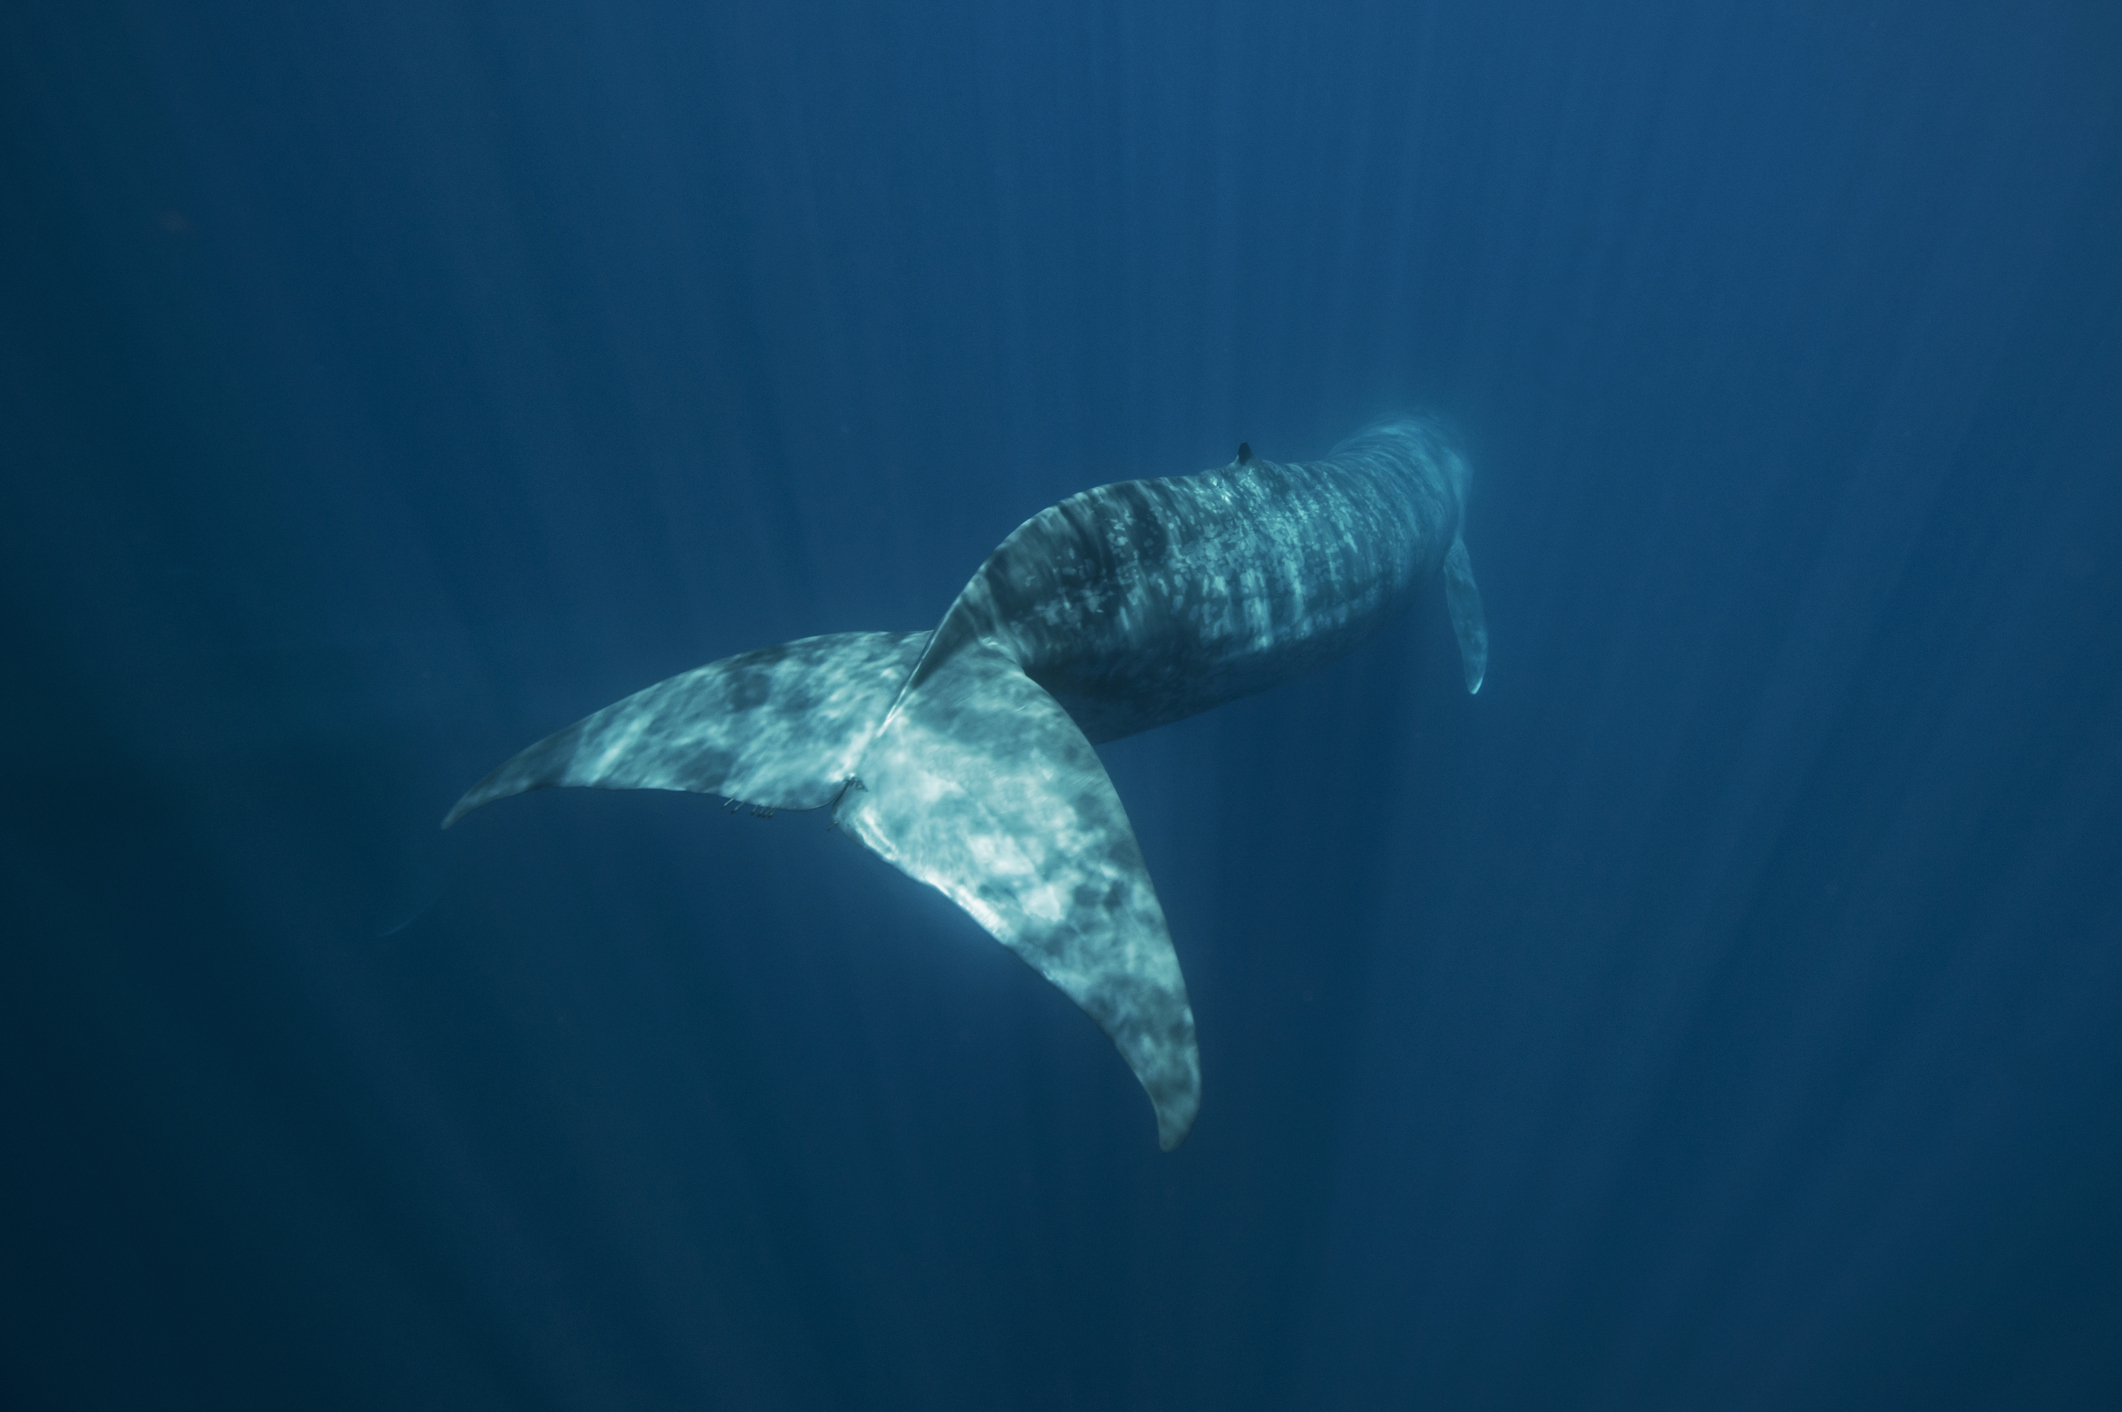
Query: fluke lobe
[{"x": 963, "y": 756}]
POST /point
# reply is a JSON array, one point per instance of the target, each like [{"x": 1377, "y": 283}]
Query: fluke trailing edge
[{"x": 963, "y": 756}]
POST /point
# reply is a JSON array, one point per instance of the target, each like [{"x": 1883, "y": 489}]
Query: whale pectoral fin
[
  {"x": 781, "y": 727},
  {"x": 983, "y": 786},
  {"x": 1468, "y": 621}
]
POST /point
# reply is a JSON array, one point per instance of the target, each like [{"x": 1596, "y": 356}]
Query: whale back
[{"x": 1143, "y": 602}]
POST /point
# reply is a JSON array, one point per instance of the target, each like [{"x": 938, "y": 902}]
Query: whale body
[{"x": 963, "y": 756}]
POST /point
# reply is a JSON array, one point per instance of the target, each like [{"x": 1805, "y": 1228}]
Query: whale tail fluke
[
  {"x": 1469, "y": 623},
  {"x": 982, "y": 786},
  {"x": 780, "y": 728}
]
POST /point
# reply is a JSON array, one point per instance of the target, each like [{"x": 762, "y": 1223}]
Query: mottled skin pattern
[
  {"x": 963, "y": 757},
  {"x": 1144, "y": 602},
  {"x": 779, "y": 728},
  {"x": 985, "y": 788}
]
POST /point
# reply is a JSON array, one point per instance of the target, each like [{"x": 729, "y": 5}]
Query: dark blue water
[{"x": 1723, "y": 1009}]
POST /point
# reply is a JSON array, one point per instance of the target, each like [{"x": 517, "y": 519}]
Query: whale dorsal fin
[
  {"x": 1469, "y": 623},
  {"x": 781, "y": 727},
  {"x": 982, "y": 786}
]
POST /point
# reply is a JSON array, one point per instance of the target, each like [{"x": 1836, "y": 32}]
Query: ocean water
[{"x": 1721, "y": 1010}]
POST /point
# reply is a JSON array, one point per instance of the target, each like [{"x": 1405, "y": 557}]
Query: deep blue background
[{"x": 1721, "y": 1010}]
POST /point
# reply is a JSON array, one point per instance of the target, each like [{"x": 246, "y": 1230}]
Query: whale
[{"x": 965, "y": 755}]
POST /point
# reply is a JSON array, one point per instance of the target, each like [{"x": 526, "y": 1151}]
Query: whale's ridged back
[{"x": 1142, "y": 602}]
